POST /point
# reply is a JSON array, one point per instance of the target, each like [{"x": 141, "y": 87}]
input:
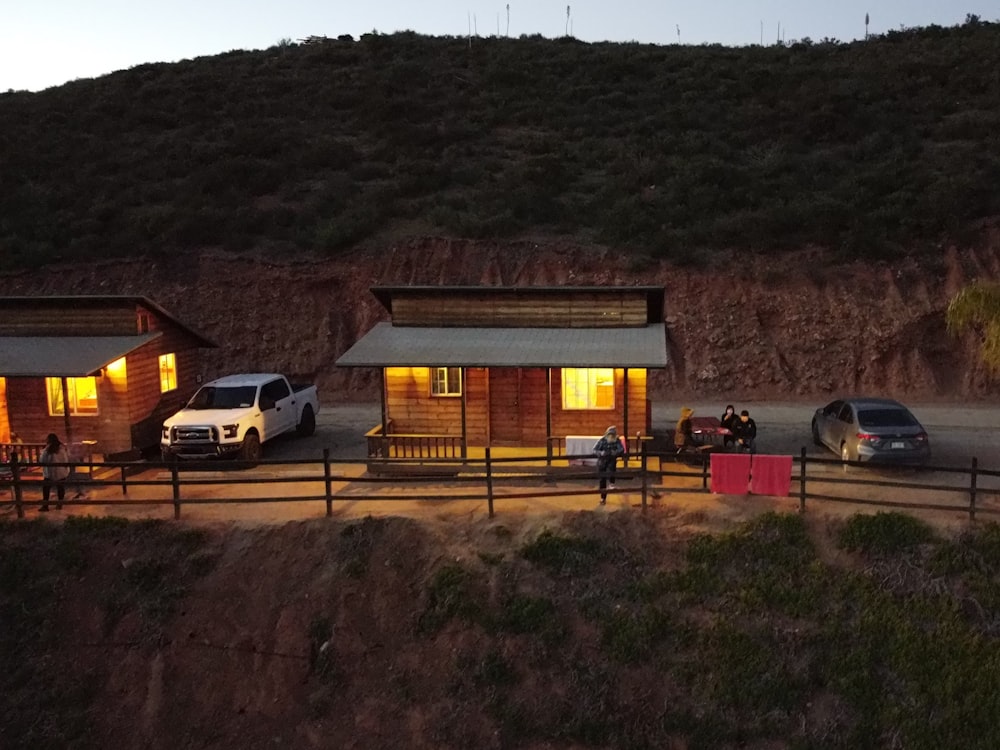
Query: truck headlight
[{"x": 230, "y": 430}]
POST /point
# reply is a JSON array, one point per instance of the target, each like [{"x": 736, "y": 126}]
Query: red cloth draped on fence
[
  {"x": 771, "y": 475},
  {"x": 730, "y": 473}
]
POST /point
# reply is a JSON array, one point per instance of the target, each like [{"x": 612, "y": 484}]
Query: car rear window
[{"x": 886, "y": 418}]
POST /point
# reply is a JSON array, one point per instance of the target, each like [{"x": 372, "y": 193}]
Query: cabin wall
[
  {"x": 28, "y": 414},
  {"x": 148, "y": 406},
  {"x": 596, "y": 421},
  {"x": 481, "y": 309},
  {"x": 411, "y": 407}
]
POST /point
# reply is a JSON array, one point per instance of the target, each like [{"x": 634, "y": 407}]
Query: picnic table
[{"x": 709, "y": 430}]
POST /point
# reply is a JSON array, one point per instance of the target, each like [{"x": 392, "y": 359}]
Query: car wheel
[
  {"x": 307, "y": 425},
  {"x": 815, "y": 431},
  {"x": 250, "y": 451}
]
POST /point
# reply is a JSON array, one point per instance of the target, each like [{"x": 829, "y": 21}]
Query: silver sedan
[{"x": 871, "y": 429}]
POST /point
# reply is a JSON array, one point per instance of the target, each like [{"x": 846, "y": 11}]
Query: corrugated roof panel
[
  {"x": 386, "y": 346},
  {"x": 64, "y": 356}
]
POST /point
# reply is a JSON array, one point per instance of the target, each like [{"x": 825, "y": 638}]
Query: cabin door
[{"x": 505, "y": 405}]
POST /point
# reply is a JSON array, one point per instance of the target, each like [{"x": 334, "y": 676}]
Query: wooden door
[{"x": 505, "y": 405}]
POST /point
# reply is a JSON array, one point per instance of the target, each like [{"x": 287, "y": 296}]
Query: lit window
[
  {"x": 446, "y": 381},
  {"x": 168, "y": 372},
  {"x": 82, "y": 396},
  {"x": 588, "y": 388}
]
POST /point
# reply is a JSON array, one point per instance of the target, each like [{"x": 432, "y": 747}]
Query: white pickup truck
[{"x": 235, "y": 415}]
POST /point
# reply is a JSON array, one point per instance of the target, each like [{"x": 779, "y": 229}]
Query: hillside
[
  {"x": 876, "y": 149},
  {"x": 583, "y": 630}
]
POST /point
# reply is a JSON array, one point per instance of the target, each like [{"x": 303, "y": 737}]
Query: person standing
[
  {"x": 607, "y": 450},
  {"x": 728, "y": 420},
  {"x": 54, "y": 454},
  {"x": 745, "y": 432},
  {"x": 684, "y": 432}
]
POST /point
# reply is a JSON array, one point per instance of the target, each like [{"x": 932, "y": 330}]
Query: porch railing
[
  {"x": 413, "y": 445},
  {"x": 555, "y": 447}
]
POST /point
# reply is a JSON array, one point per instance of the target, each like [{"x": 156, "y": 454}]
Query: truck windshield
[{"x": 211, "y": 397}]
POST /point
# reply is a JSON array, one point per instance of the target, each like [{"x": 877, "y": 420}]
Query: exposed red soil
[{"x": 744, "y": 327}]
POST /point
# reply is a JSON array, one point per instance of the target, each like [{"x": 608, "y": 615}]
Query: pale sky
[{"x": 49, "y": 42}]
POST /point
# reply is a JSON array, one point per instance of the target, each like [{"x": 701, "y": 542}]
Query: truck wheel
[
  {"x": 307, "y": 425},
  {"x": 250, "y": 450}
]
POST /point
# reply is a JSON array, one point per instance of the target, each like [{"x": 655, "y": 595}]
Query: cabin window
[
  {"x": 588, "y": 388},
  {"x": 168, "y": 372},
  {"x": 446, "y": 381},
  {"x": 82, "y": 396}
]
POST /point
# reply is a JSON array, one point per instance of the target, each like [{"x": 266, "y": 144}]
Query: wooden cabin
[
  {"x": 510, "y": 366},
  {"x": 103, "y": 371}
]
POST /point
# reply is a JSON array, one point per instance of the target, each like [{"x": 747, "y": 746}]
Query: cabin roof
[
  {"x": 77, "y": 301},
  {"x": 65, "y": 356},
  {"x": 387, "y": 345}
]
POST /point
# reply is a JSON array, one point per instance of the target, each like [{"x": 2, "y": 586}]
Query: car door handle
[{"x": 277, "y": 408}]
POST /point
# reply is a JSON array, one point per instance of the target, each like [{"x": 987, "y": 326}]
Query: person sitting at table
[
  {"x": 745, "y": 432},
  {"x": 727, "y": 420},
  {"x": 683, "y": 434}
]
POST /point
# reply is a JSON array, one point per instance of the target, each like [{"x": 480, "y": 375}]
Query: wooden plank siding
[
  {"x": 413, "y": 410},
  {"x": 30, "y": 419},
  {"x": 526, "y": 309},
  {"x": 85, "y": 321}
]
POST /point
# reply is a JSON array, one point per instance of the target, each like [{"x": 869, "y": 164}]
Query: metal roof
[
  {"x": 64, "y": 356},
  {"x": 387, "y": 345}
]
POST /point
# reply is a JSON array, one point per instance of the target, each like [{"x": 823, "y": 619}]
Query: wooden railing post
[
  {"x": 329, "y": 482},
  {"x": 175, "y": 482},
  {"x": 802, "y": 480},
  {"x": 489, "y": 482},
  {"x": 645, "y": 476},
  {"x": 124, "y": 482},
  {"x": 704, "y": 471},
  {"x": 972, "y": 488},
  {"x": 15, "y": 487}
]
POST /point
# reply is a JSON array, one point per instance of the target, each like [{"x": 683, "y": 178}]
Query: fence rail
[{"x": 492, "y": 479}]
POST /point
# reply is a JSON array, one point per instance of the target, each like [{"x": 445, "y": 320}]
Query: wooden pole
[
  {"x": 175, "y": 482},
  {"x": 66, "y": 420},
  {"x": 645, "y": 478},
  {"x": 802, "y": 480},
  {"x": 972, "y": 488},
  {"x": 15, "y": 475},
  {"x": 465, "y": 430},
  {"x": 329, "y": 482},
  {"x": 385, "y": 417},
  {"x": 489, "y": 482}
]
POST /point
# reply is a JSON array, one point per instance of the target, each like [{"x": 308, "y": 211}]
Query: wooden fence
[{"x": 493, "y": 480}]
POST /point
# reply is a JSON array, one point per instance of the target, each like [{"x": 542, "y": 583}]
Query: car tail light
[
  {"x": 921, "y": 437},
  {"x": 869, "y": 436}
]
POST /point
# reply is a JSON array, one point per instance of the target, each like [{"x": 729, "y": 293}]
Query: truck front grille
[{"x": 183, "y": 435}]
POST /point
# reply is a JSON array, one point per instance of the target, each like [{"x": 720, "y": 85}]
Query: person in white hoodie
[{"x": 53, "y": 474}]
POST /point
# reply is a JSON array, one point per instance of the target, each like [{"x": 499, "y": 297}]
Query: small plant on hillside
[
  {"x": 563, "y": 554},
  {"x": 883, "y": 533}
]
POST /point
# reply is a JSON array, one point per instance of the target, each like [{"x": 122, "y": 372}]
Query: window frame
[
  {"x": 592, "y": 400},
  {"x": 453, "y": 389},
  {"x": 170, "y": 357},
  {"x": 53, "y": 387}
]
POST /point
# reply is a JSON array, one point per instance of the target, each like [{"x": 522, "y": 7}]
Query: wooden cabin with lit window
[
  {"x": 510, "y": 366},
  {"x": 104, "y": 371}
]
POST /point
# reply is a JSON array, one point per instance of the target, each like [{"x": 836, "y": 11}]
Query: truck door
[{"x": 277, "y": 408}]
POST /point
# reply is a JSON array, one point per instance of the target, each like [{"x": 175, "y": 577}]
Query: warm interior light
[{"x": 117, "y": 367}]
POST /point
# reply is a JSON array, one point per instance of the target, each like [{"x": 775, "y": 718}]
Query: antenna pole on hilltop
[
  {"x": 678, "y": 33},
  {"x": 468, "y": 18},
  {"x": 762, "y": 33},
  {"x": 866, "y": 27},
  {"x": 508, "y": 19},
  {"x": 567, "y": 20}
]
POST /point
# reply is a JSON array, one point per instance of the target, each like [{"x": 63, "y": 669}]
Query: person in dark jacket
[
  {"x": 607, "y": 450},
  {"x": 728, "y": 419},
  {"x": 745, "y": 432}
]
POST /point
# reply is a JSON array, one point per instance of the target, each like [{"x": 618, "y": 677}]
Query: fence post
[
  {"x": 972, "y": 489},
  {"x": 15, "y": 491},
  {"x": 328, "y": 481},
  {"x": 489, "y": 482},
  {"x": 175, "y": 481},
  {"x": 704, "y": 471},
  {"x": 802, "y": 480},
  {"x": 645, "y": 476},
  {"x": 124, "y": 482}
]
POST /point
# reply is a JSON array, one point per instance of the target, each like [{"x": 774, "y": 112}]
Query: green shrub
[{"x": 883, "y": 533}]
